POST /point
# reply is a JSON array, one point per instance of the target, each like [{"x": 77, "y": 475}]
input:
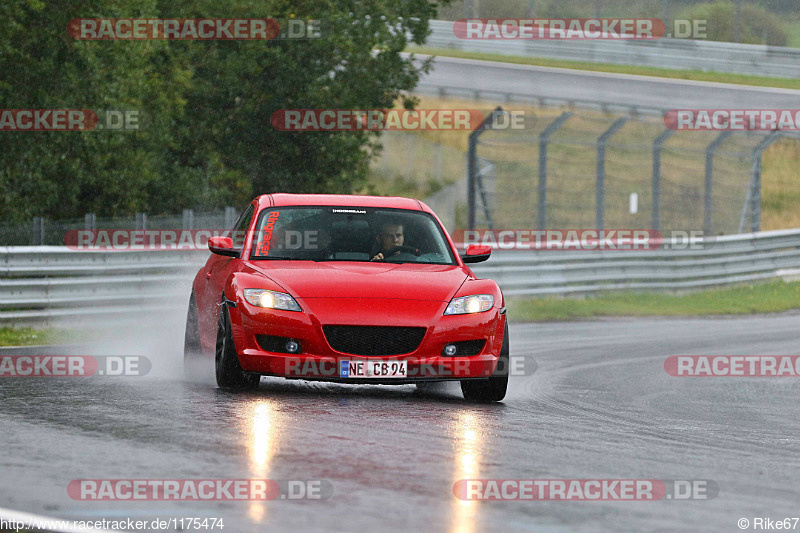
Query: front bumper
[{"x": 318, "y": 361}]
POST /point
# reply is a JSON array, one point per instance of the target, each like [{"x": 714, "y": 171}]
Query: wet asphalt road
[
  {"x": 599, "y": 405},
  {"x": 495, "y": 78}
]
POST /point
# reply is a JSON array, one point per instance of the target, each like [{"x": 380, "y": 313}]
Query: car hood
[{"x": 407, "y": 281}]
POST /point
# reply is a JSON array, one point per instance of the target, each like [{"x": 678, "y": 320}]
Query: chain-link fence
[
  {"x": 421, "y": 167},
  {"x": 587, "y": 169},
  {"x": 583, "y": 170}
]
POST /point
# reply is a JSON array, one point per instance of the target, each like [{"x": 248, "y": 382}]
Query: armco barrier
[
  {"x": 681, "y": 54},
  {"x": 40, "y": 283},
  {"x": 47, "y": 282}
]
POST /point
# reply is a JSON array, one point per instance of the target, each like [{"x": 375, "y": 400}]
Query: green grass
[
  {"x": 694, "y": 75},
  {"x": 32, "y": 336},
  {"x": 793, "y": 33},
  {"x": 769, "y": 297}
]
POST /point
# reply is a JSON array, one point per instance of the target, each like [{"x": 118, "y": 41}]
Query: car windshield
[{"x": 350, "y": 234}]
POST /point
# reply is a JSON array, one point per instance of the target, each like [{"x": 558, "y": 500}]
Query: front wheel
[
  {"x": 228, "y": 369},
  {"x": 494, "y": 388}
]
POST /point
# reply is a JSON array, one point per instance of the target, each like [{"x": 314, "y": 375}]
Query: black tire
[
  {"x": 492, "y": 389},
  {"x": 226, "y": 361},
  {"x": 191, "y": 337}
]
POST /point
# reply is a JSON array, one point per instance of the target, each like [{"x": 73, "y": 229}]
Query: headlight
[
  {"x": 271, "y": 299},
  {"x": 470, "y": 304}
]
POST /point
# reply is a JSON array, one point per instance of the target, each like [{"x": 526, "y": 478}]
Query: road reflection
[
  {"x": 260, "y": 422},
  {"x": 468, "y": 450}
]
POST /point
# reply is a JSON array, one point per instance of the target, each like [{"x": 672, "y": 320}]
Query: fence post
[
  {"x": 383, "y": 163},
  {"x": 708, "y": 203},
  {"x": 188, "y": 219},
  {"x": 488, "y": 167},
  {"x": 472, "y": 164},
  {"x": 90, "y": 222},
  {"x": 656, "y": 192},
  {"x": 600, "y": 187},
  {"x": 410, "y": 156},
  {"x": 230, "y": 217},
  {"x": 753, "y": 199},
  {"x": 38, "y": 231},
  {"x": 541, "y": 209},
  {"x": 141, "y": 221},
  {"x": 438, "y": 156}
]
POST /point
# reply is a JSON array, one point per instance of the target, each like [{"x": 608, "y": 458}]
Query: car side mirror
[
  {"x": 223, "y": 246},
  {"x": 476, "y": 253}
]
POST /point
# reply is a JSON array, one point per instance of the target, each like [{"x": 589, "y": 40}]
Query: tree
[
  {"x": 357, "y": 63},
  {"x": 208, "y": 140},
  {"x": 64, "y": 174}
]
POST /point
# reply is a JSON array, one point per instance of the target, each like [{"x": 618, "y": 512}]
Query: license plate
[{"x": 360, "y": 368}]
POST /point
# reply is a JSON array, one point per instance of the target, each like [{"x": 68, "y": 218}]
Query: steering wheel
[{"x": 410, "y": 250}]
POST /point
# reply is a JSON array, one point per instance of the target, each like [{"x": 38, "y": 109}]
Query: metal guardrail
[
  {"x": 604, "y": 106},
  {"x": 41, "y": 283},
  {"x": 681, "y": 54},
  {"x": 716, "y": 261},
  {"x": 49, "y": 282}
]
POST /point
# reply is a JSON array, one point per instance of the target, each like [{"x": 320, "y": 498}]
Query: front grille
[{"x": 373, "y": 340}]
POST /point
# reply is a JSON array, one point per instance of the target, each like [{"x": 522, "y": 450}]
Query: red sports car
[{"x": 353, "y": 289}]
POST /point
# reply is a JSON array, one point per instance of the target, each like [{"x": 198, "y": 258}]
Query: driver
[{"x": 389, "y": 238}]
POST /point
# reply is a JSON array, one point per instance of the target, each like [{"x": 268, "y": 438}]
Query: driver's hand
[{"x": 378, "y": 257}]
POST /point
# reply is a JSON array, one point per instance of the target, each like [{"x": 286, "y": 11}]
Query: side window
[{"x": 240, "y": 228}]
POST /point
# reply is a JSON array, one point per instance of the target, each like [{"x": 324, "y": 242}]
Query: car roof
[{"x": 344, "y": 200}]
